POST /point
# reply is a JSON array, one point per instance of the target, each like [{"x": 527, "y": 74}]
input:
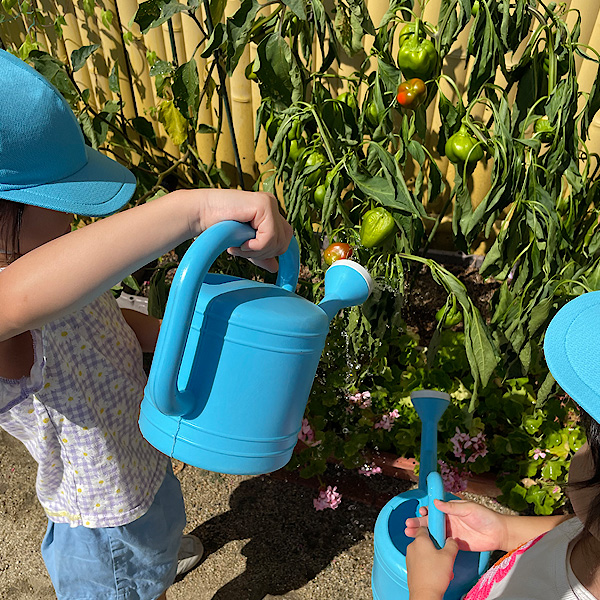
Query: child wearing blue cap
[
  {"x": 556, "y": 557},
  {"x": 71, "y": 377}
]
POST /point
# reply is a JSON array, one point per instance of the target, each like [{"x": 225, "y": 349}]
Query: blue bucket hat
[
  {"x": 571, "y": 349},
  {"x": 43, "y": 157}
]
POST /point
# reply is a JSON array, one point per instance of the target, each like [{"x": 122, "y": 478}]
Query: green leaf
[
  {"x": 154, "y": 13},
  {"x": 88, "y": 7},
  {"x": 539, "y": 315},
  {"x": 479, "y": 347},
  {"x": 217, "y": 9},
  {"x": 279, "y": 72},
  {"x": 144, "y": 128},
  {"x": 147, "y": 13},
  {"x": 58, "y": 25},
  {"x": 113, "y": 80},
  {"x": 186, "y": 90},
  {"x": 351, "y": 23},
  {"x": 107, "y": 18},
  {"x": 27, "y": 46},
  {"x": 238, "y": 31},
  {"x": 204, "y": 128},
  {"x": 174, "y": 122},
  {"x": 54, "y": 71},
  {"x": 551, "y": 470},
  {"x": 79, "y": 56},
  {"x": 298, "y": 7},
  {"x": 131, "y": 282},
  {"x": 376, "y": 187}
]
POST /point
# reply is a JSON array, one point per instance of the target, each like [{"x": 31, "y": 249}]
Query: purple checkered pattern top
[{"x": 77, "y": 415}]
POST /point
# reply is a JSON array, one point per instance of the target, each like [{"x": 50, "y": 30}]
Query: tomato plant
[{"x": 336, "y": 149}]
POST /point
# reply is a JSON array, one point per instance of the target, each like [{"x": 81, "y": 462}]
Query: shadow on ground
[{"x": 287, "y": 542}]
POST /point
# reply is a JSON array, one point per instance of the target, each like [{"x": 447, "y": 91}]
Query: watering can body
[
  {"x": 389, "y": 575},
  {"x": 234, "y": 362}
]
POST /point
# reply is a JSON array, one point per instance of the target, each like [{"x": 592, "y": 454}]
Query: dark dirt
[{"x": 424, "y": 296}]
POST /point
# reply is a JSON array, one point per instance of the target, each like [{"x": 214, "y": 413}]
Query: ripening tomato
[{"x": 336, "y": 251}]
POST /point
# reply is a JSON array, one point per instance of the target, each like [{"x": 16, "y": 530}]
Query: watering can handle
[
  {"x": 436, "y": 519},
  {"x": 182, "y": 302}
]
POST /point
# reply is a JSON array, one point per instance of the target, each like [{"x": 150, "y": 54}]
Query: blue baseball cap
[
  {"x": 571, "y": 350},
  {"x": 44, "y": 160}
]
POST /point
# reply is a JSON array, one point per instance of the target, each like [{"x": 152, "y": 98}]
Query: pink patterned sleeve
[{"x": 484, "y": 587}]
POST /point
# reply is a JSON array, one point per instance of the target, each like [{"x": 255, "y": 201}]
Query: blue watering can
[
  {"x": 389, "y": 578},
  {"x": 235, "y": 359}
]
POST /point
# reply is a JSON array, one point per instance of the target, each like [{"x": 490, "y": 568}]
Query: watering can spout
[
  {"x": 346, "y": 284},
  {"x": 430, "y": 406}
]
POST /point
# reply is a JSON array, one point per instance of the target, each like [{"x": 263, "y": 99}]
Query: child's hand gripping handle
[
  {"x": 182, "y": 302},
  {"x": 436, "y": 519}
]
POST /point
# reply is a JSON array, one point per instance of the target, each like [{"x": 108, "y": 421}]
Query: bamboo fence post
[
  {"x": 191, "y": 37},
  {"x": 111, "y": 40},
  {"x": 226, "y": 151},
  {"x": 73, "y": 40}
]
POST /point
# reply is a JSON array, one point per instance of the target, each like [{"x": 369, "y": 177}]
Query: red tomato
[{"x": 336, "y": 251}]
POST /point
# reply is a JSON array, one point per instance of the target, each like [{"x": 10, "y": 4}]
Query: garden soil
[{"x": 263, "y": 537}]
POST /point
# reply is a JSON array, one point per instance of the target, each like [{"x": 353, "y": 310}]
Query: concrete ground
[{"x": 263, "y": 538}]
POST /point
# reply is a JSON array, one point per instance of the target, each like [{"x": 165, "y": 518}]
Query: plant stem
[
  {"x": 225, "y": 95},
  {"x": 161, "y": 177}
]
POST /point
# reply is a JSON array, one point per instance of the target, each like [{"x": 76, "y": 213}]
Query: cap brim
[
  {"x": 572, "y": 353},
  {"x": 100, "y": 188}
]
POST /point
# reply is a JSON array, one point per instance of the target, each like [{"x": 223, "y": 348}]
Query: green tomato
[
  {"x": 462, "y": 146},
  {"x": 315, "y": 158},
  {"x": 297, "y": 148},
  {"x": 295, "y": 132},
  {"x": 372, "y": 113},
  {"x": 377, "y": 225},
  {"x": 453, "y": 317},
  {"x": 348, "y": 98},
  {"x": 319, "y": 194}
]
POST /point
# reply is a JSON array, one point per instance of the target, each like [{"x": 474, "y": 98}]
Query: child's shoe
[{"x": 190, "y": 553}]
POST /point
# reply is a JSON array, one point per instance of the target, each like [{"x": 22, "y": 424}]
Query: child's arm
[
  {"x": 478, "y": 528},
  {"x": 429, "y": 570},
  {"x": 144, "y": 326},
  {"x": 69, "y": 272}
]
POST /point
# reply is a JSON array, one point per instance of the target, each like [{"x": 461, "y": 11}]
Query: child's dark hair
[
  {"x": 592, "y": 430},
  {"x": 11, "y": 215}
]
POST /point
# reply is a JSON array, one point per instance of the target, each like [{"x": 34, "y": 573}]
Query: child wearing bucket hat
[
  {"x": 71, "y": 377},
  {"x": 556, "y": 557}
]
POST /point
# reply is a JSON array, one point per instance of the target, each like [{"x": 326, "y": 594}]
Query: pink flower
[
  {"x": 454, "y": 481},
  {"x": 369, "y": 470},
  {"x": 328, "y": 498},
  {"x": 366, "y": 400},
  {"x": 476, "y": 446},
  {"x": 361, "y": 399},
  {"x": 307, "y": 435},
  {"x": 538, "y": 453},
  {"x": 387, "y": 421}
]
